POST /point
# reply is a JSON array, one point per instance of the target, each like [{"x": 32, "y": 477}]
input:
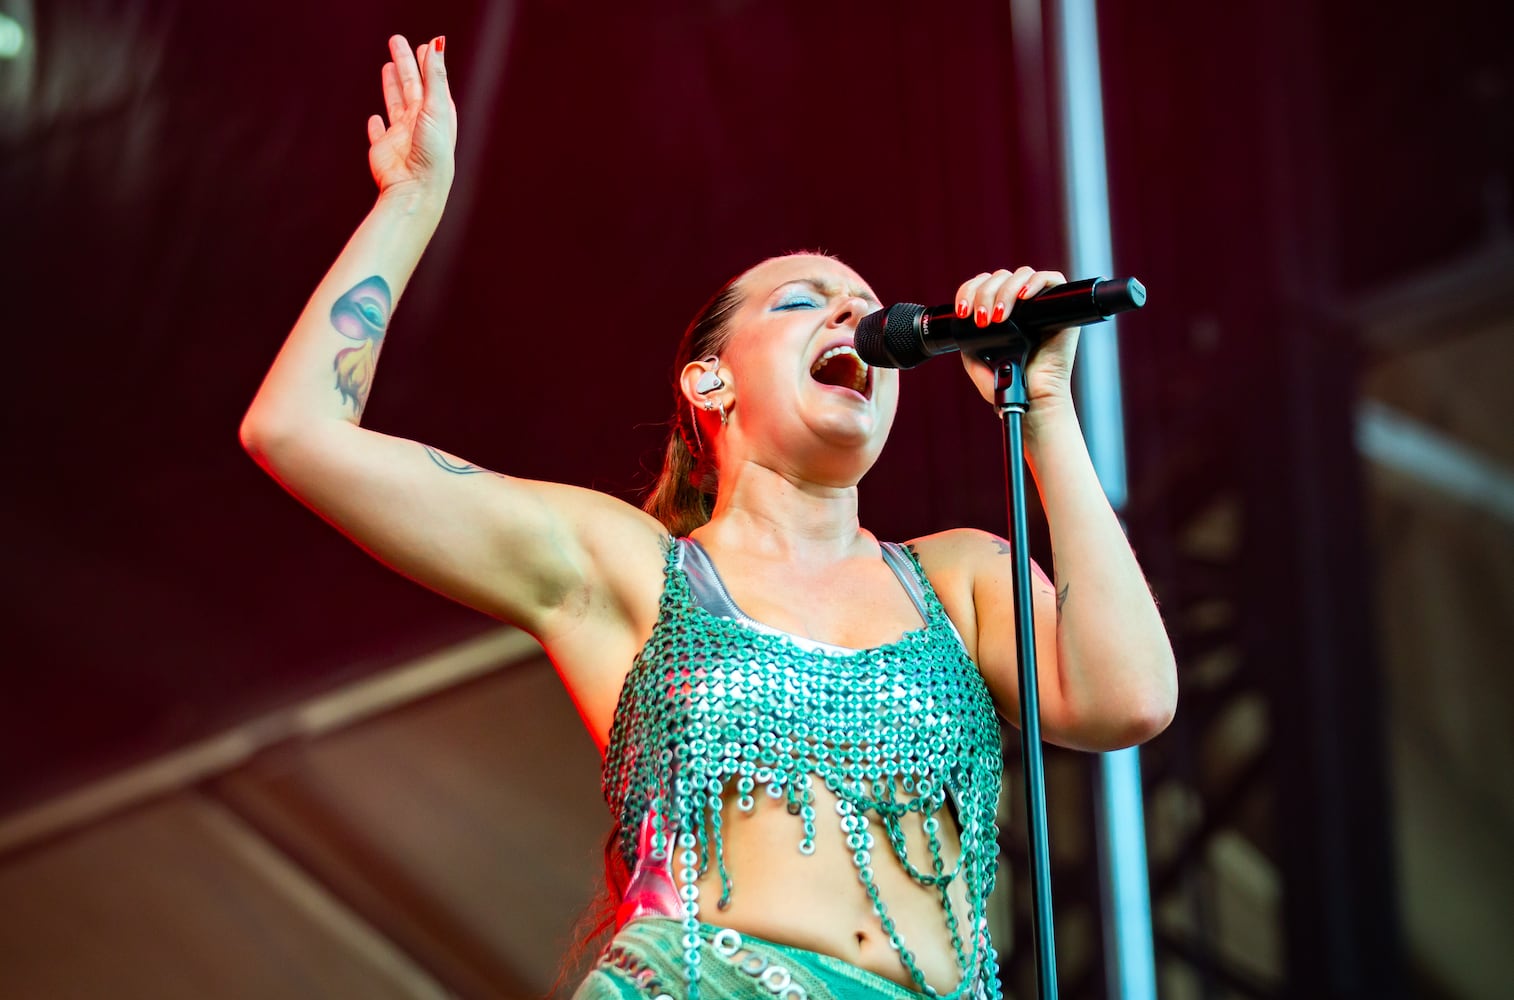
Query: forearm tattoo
[{"x": 362, "y": 314}]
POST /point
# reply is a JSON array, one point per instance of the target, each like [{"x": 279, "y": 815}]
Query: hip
[{"x": 646, "y": 961}]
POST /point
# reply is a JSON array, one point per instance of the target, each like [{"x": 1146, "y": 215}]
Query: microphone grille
[{"x": 890, "y": 338}]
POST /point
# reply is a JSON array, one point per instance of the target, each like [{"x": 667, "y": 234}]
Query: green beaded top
[{"x": 711, "y": 705}]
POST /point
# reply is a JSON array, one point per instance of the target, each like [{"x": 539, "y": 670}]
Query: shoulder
[
  {"x": 953, "y": 561},
  {"x": 621, "y": 528},
  {"x": 971, "y": 558},
  {"x": 956, "y": 550}
]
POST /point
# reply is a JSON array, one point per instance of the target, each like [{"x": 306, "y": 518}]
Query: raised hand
[
  {"x": 989, "y": 298},
  {"x": 415, "y": 150}
]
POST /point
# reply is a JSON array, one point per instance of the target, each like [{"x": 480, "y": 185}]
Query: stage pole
[{"x": 1125, "y": 897}]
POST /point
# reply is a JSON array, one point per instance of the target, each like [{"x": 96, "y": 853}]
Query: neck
[{"x": 769, "y": 513}]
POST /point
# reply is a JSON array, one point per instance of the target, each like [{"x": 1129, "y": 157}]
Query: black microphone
[{"x": 905, "y": 335}]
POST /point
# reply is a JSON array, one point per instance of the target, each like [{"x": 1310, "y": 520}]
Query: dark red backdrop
[
  {"x": 175, "y": 177},
  {"x": 185, "y": 172}
]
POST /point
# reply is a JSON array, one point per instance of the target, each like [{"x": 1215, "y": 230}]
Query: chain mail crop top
[{"x": 716, "y": 703}]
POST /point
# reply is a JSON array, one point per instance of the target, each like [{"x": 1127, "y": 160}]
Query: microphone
[{"x": 905, "y": 335}]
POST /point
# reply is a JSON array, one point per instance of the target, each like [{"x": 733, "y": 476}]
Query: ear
[{"x": 702, "y": 380}]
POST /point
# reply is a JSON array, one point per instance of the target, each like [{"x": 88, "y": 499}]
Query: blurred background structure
[{"x": 240, "y": 759}]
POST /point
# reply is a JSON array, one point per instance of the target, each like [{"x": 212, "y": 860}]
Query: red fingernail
[
  {"x": 982, "y": 316},
  {"x": 998, "y": 310},
  {"x": 1021, "y": 293},
  {"x": 441, "y": 42},
  {"x": 962, "y": 309}
]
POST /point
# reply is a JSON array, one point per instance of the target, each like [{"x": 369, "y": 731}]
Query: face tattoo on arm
[{"x": 362, "y": 314}]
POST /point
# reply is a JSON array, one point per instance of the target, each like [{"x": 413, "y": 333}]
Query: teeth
[
  {"x": 833, "y": 352},
  {"x": 859, "y": 373}
]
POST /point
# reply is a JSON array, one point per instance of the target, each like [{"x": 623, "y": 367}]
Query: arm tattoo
[
  {"x": 450, "y": 465},
  {"x": 1061, "y": 600},
  {"x": 362, "y": 314}
]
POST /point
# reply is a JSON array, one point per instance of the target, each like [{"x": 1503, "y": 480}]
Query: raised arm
[
  {"x": 325, "y": 370},
  {"x": 547, "y": 557}
]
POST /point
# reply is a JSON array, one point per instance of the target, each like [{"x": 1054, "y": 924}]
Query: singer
[{"x": 799, "y": 722}]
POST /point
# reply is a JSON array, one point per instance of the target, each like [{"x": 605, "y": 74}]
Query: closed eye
[{"x": 802, "y": 302}]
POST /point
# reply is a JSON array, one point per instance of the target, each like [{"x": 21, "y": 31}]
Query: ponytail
[{"x": 674, "y": 499}]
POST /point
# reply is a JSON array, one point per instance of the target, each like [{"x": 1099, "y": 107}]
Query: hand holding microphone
[{"x": 905, "y": 335}]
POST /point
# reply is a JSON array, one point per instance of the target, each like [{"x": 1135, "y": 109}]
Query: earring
[
  {"x": 710, "y": 380},
  {"x": 710, "y": 404},
  {"x": 698, "y": 448}
]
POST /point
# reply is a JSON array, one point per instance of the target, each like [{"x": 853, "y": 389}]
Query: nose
[{"x": 850, "y": 311}]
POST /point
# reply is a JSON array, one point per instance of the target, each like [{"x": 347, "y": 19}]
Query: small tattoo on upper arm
[
  {"x": 1004, "y": 547},
  {"x": 457, "y": 468},
  {"x": 1062, "y": 599},
  {"x": 362, "y": 314}
]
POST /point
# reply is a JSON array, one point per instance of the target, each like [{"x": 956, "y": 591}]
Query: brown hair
[
  {"x": 597, "y": 921},
  {"x": 682, "y": 494}
]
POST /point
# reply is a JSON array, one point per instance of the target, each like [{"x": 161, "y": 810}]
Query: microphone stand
[{"x": 1010, "y": 400}]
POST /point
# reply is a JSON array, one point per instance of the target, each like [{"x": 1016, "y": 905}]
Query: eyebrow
[{"x": 827, "y": 290}]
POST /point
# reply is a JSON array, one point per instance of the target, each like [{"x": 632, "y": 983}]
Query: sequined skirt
[{"x": 645, "y": 962}]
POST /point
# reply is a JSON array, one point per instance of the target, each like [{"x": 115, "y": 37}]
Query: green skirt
[{"x": 645, "y": 962}]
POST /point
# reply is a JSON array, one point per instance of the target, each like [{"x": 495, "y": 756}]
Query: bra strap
[{"x": 904, "y": 568}]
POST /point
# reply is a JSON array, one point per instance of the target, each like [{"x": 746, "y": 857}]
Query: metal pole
[{"x": 1129, "y": 962}]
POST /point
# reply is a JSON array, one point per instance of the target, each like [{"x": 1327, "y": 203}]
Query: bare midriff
[{"x": 817, "y": 901}]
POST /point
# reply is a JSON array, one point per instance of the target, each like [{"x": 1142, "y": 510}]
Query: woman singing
[{"x": 802, "y": 755}]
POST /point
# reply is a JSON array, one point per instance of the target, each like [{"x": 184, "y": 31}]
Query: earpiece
[{"x": 710, "y": 380}]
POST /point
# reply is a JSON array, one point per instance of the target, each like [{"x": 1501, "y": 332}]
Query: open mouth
[{"x": 840, "y": 366}]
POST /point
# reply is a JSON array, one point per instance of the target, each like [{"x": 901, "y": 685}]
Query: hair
[
  {"x": 682, "y": 495},
  {"x": 597, "y": 922}
]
